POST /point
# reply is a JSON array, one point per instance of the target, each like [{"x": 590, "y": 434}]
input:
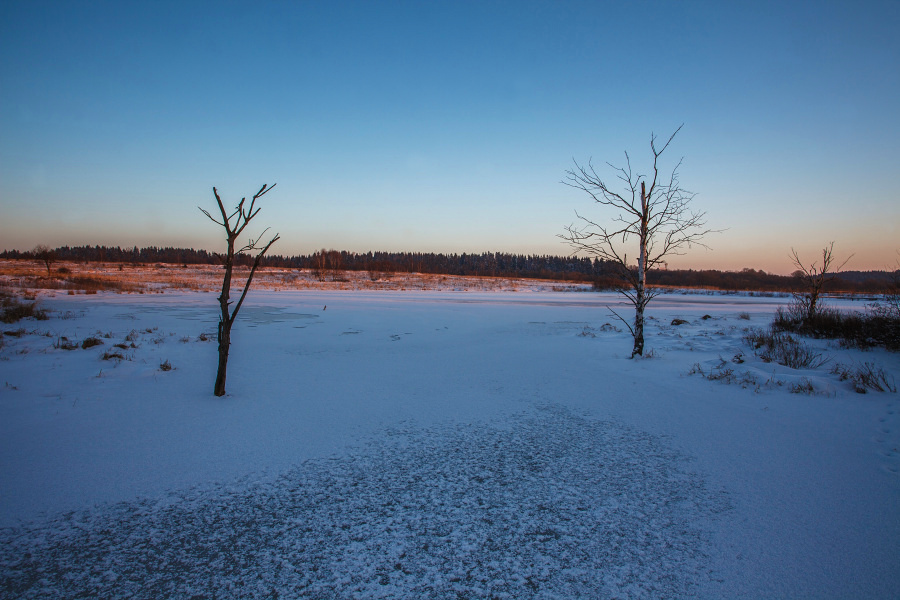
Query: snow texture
[{"x": 550, "y": 505}]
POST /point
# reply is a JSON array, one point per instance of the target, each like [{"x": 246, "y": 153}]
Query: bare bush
[{"x": 812, "y": 279}]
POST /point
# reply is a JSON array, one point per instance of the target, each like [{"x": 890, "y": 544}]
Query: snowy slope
[{"x": 437, "y": 444}]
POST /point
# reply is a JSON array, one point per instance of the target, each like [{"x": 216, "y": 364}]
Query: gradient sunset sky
[{"x": 448, "y": 126}]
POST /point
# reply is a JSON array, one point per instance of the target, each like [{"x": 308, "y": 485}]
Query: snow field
[{"x": 437, "y": 444}]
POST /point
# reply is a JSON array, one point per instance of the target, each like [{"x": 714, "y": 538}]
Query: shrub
[
  {"x": 12, "y": 310},
  {"x": 878, "y": 326},
  {"x": 745, "y": 316},
  {"x": 776, "y": 346},
  {"x": 112, "y": 355},
  {"x": 166, "y": 366},
  {"x": 884, "y": 323}
]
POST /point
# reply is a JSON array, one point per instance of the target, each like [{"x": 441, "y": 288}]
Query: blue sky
[{"x": 448, "y": 126}]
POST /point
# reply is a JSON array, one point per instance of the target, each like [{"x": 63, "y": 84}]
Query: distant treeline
[{"x": 491, "y": 264}]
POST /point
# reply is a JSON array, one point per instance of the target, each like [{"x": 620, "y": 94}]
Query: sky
[{"x": 449, "y": 126}]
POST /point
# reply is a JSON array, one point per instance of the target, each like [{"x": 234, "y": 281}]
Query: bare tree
[
  {"x": 813, "y": 279},
  {"x": 234, "y": 225},
  {"x": 653, "y": 211},
  {"x": 45, "y": 255}
]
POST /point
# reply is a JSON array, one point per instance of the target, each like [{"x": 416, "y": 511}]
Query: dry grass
[
  {"x": 13, "y": 309},
  {"x": 865, "y": 376},
  {"x": 24, "y": 276},
  {"x": 91, "y": 342},
  {"x": 776, "y": 346}
]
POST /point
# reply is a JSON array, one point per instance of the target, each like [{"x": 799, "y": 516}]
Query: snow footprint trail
[{"x": 549, "y": 505}]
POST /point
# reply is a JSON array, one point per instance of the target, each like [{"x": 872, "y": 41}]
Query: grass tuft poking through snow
[{"x": 865, "y": 376}]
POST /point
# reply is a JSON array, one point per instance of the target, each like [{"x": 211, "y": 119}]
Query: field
[{"x": 427, "y": 437}]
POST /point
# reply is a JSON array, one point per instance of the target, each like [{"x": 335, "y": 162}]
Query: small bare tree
[
  {"x": 813, "y": 279},
  {"x": 234, "y": 225},
  {"x": 652, "y": 210},
  {"x": 45, "y": 255}
]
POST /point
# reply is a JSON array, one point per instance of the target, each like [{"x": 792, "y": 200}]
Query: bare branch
[
  {"x": 256, "y": 262},
  {"x": 619, "y": 317},
  {"x": 206, "y": 212}
]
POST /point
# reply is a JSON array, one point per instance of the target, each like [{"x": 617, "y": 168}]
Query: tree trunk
[
  {"x": 241, "y": 217},
  {"x": 641, "y": 283},
  {"x": 639, "y": 326},
  {"x": 224, "y": 344}
]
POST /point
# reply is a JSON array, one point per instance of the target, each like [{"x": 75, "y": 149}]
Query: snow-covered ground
[{"x": 437, "y": 444}]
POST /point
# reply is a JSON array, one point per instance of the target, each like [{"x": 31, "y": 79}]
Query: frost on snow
[{"x": 548, "y": 505}]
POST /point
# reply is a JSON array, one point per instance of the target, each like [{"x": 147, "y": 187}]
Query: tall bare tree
[
  {"x": 234, "y": 224},
  {"x": 813, "y": 278},
  {"x": 653, "y": 212}
]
